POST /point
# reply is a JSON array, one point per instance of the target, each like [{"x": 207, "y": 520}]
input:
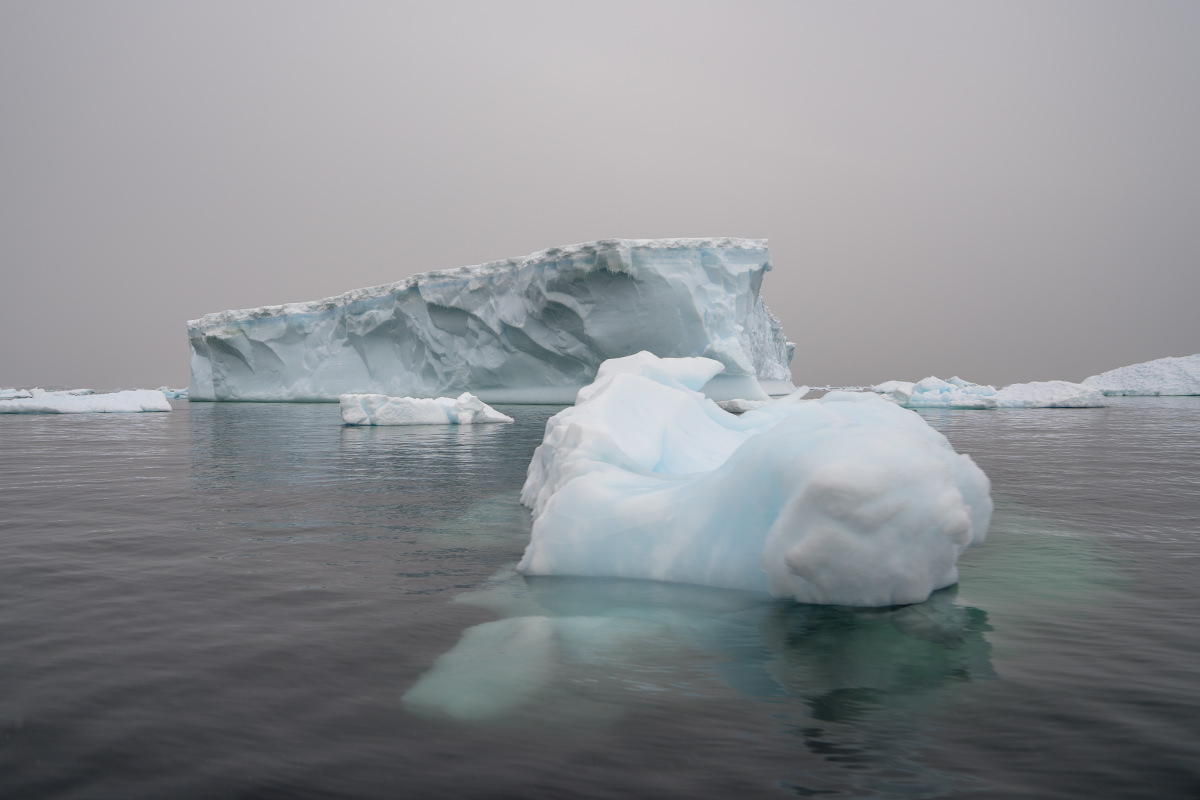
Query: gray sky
[{"x": 1006, "y": 191}]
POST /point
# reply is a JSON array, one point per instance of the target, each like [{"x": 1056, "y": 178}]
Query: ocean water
[{"x": 252, "y": 601}]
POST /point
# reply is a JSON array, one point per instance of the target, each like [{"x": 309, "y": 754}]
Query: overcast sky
[{"x": 1005, "y": 191}]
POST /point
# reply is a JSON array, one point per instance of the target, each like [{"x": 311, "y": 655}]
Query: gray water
[{"x": 252, "y": 601}]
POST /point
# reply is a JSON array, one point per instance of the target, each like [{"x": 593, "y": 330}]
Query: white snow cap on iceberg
[
  {"x": 379, "y": 409},
  {"x": 847, "y": 499},
  {"x": 74, "y": 401},
  {"x": 1163, "y": 376}
]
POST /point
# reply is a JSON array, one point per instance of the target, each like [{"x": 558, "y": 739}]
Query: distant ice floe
[
  {"x": 1163, "y": 376},
  {"x": 174, "y": 394},
  {"x": 958, "y": 393},
  {"x": 1049, "y": 394},
  {"x": 379, "y": 409},
  {"x": 844, "y": 500},
  {"x": 82, "y": 401}
]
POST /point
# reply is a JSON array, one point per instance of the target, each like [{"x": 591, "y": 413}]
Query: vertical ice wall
[{"x": 525, "y": 330}]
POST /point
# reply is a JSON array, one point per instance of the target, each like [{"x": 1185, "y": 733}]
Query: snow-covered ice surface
[
  {"x": 845, "y": 500},
  {"x": 75, "y": 401},
  {"x": 379, "y": 409},
  {"x": 958, "y": 393},
  {"x": 1049, "y": 394},
  {"x": 1163, "y": 376},
  {"x": 525, "y": 330}
]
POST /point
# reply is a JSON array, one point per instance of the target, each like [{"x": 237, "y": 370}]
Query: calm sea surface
[{"x": 252, "y": 601}]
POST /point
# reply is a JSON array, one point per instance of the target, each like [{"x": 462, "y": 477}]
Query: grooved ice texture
[{"x": 525, "y": 330}]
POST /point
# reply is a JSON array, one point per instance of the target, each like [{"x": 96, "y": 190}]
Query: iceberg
[
  {"x": 76, "y": 401},
  {"x": 525, "y": 330},
  {"x": 847, "y": 499},
  {"x": 1163, "y": 376},
  {"x": 936, "y": 393},
  {"x": 379, "y": 409}
]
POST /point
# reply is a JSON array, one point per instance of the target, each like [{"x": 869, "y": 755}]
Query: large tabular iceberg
[
  {"x": 526, "y": 330},
  {"x": 847, "y": 500},
  {"x": 74, "y": 402},
  {"x": 1163, "y": 376}
]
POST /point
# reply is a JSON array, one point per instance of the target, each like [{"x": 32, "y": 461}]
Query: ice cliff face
[{"x": 532, "y": 330}]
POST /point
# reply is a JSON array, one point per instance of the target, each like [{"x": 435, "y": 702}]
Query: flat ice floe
[
  {"x": 1049, "y": 394},
  {"x": 957, "y": 393},
  {"x": 1163, "y": 376},
  {"x": 379, "y": 409},
  {"x": 845, "y": 500},
  {"x": 83, "y": 401}
]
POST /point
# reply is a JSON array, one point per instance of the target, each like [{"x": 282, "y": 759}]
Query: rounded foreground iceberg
[{"x": 846, "y": 500}]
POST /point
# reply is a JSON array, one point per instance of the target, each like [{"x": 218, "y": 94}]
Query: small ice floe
[
  {"x": 741, "y": 406},
  {"x": 936, "y": 393},
  {"x": 379, "y": 409},
  {"x": 85, "y": 401},
  {"x": 174, "y": 394}
]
